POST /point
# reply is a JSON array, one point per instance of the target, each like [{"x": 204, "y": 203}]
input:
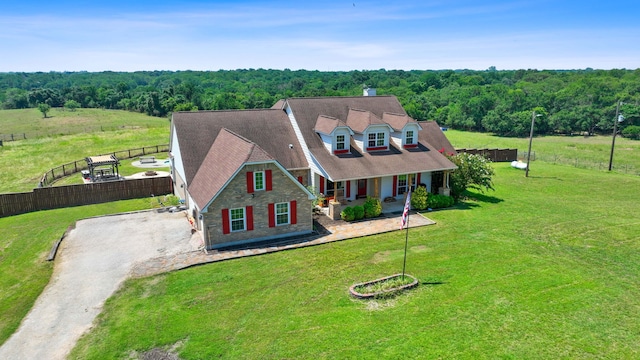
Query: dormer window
[
  {"x": 410, "y": 139},
  {"x": 340, "y": 145},
  {"x": 340, "y": 142},
  {"x": 376, "y": 141}
]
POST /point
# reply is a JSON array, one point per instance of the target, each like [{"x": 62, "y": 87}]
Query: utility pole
[
  {"x": 618, "y": 119},
  {"x": 533, "y": 121}
]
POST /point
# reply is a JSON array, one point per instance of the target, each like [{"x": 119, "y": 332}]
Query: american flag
[{"x": 405, "y": 213}]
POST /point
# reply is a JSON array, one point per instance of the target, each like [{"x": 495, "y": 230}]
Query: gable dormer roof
[
  {"x": 398, "y": 121},
  {"x": 359, "y": 120},
  {"x": 228, "y": 154},
  {"x": 327, "y": 124}
]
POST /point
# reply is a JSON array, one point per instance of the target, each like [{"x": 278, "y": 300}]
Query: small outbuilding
[{"x": 103, "y": 168}]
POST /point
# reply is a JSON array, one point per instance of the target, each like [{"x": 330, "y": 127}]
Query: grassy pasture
[
  {"x": 578, "y": 151},
  {"x": 23, "y": 162},
  {"x": 60, "y": 121},
  {"x": 544, "y": 267}
]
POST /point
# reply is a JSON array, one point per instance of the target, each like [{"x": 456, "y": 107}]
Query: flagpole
[
  {"x": 406, "y": 242},
  {"x": 406, "y": 239}
]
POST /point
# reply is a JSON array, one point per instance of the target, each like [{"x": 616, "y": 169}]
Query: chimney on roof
[{"x": 369, "y": 92}]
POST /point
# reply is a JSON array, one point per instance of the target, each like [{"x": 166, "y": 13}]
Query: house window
[
  {"x": 258, "y": 180},
  {"x": 408, "y": 140},
  {"x": 403, "y": 183},
  {"x": 340, "y": 145},
  {"x": 332, "y": 187},
  {"x": 238, "y": 220},
  {"x": 282, "y": 213},
  {"x": 376, "y": 139}
]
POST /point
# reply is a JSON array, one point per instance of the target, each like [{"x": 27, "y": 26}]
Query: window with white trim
[
  {"x": 403, "y": 183},
  {"x": 408, "y": 137},
  {"x": 238, "y": 219},
  {"x": 376, "y": 139},
  {"x": 282, "y": 213},
  {"x": 340, "y": 142},
  {"x": 258, "y": 180}
]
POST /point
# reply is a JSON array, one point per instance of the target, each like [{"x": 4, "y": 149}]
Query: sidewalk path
[
  {"x": 338, "y": 230},
  {"x": 100, "y": 253}
]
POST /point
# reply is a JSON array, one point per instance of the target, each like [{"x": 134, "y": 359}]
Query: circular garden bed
[{"x": 383, "y": 287}]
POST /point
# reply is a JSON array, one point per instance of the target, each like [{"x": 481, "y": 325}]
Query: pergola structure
[{"x": 103, "y": 167}]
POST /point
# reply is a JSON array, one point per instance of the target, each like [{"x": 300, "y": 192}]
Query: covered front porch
[
  {"x": 390, "y": 190},
  {"x": 386, "y": 188}
]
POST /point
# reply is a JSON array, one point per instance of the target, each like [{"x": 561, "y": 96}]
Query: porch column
[
  {"x": 376, "y": 188},
  {"x": 444, "y": 190}
]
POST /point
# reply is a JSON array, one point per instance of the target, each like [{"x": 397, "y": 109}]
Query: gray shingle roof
[
  {"x": 268, "y": 128},
  {"x": 228, "y": 154},
  {"x": 425, "y": 157}
]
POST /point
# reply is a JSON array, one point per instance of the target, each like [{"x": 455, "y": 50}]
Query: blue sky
[{"x": 132, "y": 35}]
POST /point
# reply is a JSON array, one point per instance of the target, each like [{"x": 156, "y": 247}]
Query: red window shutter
[
  {"x": 293, "y": 212},
  {"x": 225, "y": 221},
  {"x": 249, "y": 215},
  {"x": 249, "y": 182},
  {"x": 395, "y": 185},
  {"x": 418, "y": 179},
  {"x": 272, "y": 215},
  {"x": 321, "y": 185},
  {"x": 267, "y": 175},
  {"x": 300, "y": 179},
  {"x": 348, "y": 186}
]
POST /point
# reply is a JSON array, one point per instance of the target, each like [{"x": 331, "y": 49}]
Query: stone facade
[{"x": 235, "y": 195}]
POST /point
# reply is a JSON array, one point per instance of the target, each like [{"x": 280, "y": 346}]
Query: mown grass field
[
  {"x": 577, "y": 151},
  {"x": 545, "y": 267},
  {"x": 29, "y": 123},
  {"x": 22, "y": 163}
]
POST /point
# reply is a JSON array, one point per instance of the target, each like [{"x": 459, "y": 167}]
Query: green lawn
[
  {"x": 24, "y": 162},
  {"x": 25, "y": 242},
  {"x": 29, "y": 123},
  {"x": 544, "y": 267},
  {"x": 578, "y": 151}
]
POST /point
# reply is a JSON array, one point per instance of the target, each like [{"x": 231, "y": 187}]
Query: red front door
[{"x": 362, "y": 188}]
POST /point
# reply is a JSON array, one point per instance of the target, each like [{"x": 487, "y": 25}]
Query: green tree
[
  {"x": 474, "y": 172},
  {"x": 71, "y": 105},
  {"x": 44, "y": 109},
  {"x": 632, "y": 132}
]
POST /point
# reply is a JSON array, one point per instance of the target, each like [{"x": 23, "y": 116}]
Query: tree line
[{"x": 498, "y": 101}]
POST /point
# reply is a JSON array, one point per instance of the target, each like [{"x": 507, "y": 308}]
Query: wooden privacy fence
[
  {"x": 75, "y": 166},
  {"x": 495, "y": 155},
  {"x": 83, "y": 194}
]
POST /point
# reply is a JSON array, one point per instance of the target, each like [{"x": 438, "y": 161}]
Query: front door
[{"x": 362, "y": 188}]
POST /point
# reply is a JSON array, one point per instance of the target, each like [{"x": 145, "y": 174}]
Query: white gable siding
[
  {"x": 376, "y": 129},
  {"x": 396, "y": 138},
  {"x": 347, "y": 137},
  {"x": 327, "y": 142},
  {"x": 174, "y": 150},
  {"x": 359, "y": 140},
  {"x": 303, "y": 144},
  {"x": 412, "y": 127}
]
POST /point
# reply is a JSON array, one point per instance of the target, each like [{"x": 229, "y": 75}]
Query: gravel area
[{"x": 92, "y": 262}]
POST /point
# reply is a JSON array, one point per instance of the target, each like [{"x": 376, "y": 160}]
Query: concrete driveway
[{"x": 92, "y": 262}]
